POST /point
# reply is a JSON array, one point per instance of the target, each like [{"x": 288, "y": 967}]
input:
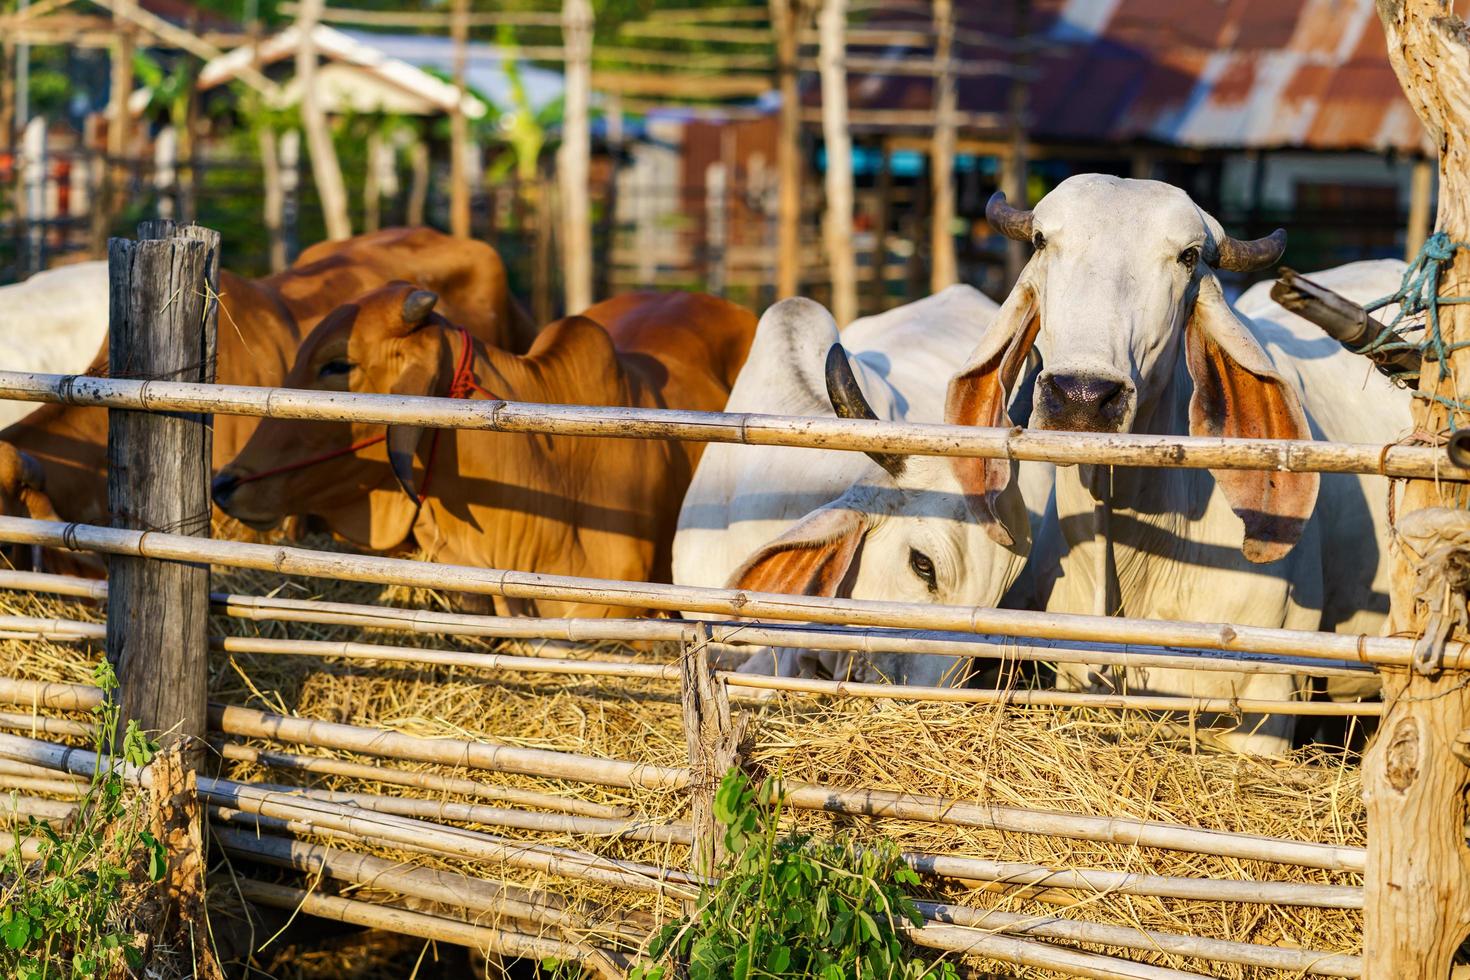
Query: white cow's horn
[
  {"x": 1009, "y": 221},
  {"x": 1251, "y": 256},
  {"x": 848, "y": 402}
]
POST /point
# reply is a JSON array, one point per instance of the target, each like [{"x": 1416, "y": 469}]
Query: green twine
[{"x": 1418, "y": 295}]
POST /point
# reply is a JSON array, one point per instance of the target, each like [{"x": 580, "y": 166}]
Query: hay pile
[{"x": 1086, "y": 762}]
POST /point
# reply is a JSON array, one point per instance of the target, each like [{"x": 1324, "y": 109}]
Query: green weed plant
[{"x": 63, "y": 915}]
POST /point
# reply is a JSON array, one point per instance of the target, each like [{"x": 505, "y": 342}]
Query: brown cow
[
  {"x": 570, "y": 505},
  {"x": 261, "y": 324}
]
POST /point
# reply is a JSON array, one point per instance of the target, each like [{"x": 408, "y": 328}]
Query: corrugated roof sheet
[{"x": 1206, "y": 74}]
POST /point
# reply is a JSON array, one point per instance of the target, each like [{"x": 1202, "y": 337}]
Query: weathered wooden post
[
  {"x": 713, "y": 739},
  {"x": 1415, "y": 776},
  {"x": 162, "y": 326},
  {"x": 942, "y": 269}
]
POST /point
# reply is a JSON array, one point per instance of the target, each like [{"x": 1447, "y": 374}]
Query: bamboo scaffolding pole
[
  {"x": 1301, "y": 961},
  {"x": 872, "y": 803},
  {"x": 1028, "y": 952},
  {"x": 529, "y": 585},
  {"x": 306, "y": 815},
  {"x": 350, "y": 650},
  {"x": 858, "y": 435},
  {"x": 430, "y": 781},
  {"x": 481, "y": 897},
  {"x": 424, "y": 926},
  {"x": 552, "y": 823},
  {"x": 1130, "y": 883}
]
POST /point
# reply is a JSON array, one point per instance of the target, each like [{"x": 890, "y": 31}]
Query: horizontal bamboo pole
[
  {"x": 38, "y": 725},
  {"x": 57, "y": 630},
  {"x": 868, "y": 640},
  {"x": 306, "y": 815},
  {"x": 859, "y": 435},
  {"x": 30, "y": 846},
  {"x": 52, "y": 785},
  {"x": 1031, "y": 953},
  {"x": 495, "y": 757},
  {"x": 857, "y": 802},
  {"x": 9, "y": 767},
  {"x": 478, "y": 896},
  {"x": 68, "y": 585},
  {"x": 49, "y": 694},
  {"x": 425, "y": 926},
  {"x": 1129, "y": 883},
  {"x": 378, "y": 653},
  {"x": 431, "y": 781},
  {"x": 494, "y": 816},
  {"x": 13, "y": 805},
  {"x": 732, "y": 602},
  {"x": 1295, "y": 960}
]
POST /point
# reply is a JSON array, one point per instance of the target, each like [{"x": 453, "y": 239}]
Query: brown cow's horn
[
  {"x": 848, "y": 402},
  {"x": 418, "y": 306},
  {"x": 1007, "y": 220},
  {"x": 1252, "y": 256},
  {"x": 31, "y": 474}
]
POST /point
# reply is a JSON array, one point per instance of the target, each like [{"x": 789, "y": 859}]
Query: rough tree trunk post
[
  {"x": 788, "y": 152},
  {"x": 1418, "y": 873},
  {"x": 325, "y": 169},
  {"x": 713, "y": 741},
  {"x": 459, "y": 126},
  {"x": 575, "y": 156},
  {"x": 1014, "y": 177},
  {"x": 832, "y": 28},
  {"x": 942, "y": 270},
  {"x": 162, "y": 325},
  {"x": 1421, "y": 188}
]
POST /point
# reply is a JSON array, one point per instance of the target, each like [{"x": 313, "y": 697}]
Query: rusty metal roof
[{"x": 1228, "y": 74}]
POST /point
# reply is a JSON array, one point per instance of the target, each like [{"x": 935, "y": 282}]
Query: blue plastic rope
[{"x": 1418, "y": 295}]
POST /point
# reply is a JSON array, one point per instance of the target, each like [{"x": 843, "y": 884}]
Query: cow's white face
[
  {"x": 1116, "y": 270},
  {"x": 1120, "y": 292}
]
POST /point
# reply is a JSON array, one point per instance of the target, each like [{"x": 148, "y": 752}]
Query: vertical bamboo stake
[
  {"x": 459, "y": 126},
  {"x": 7, "y": 95},
  {"x": 942, "y": 271},
  {"x": 879, "y": 277},
  {"x": 832, "y": 28},
  {"x": 114, "y": 168},
  {"x": 290, "y": 143},
  {"x": 273, "y": 205},
  {"x": 574, "y": 160},
  {"x": 1421, "y": 186},
  {"x": 716, "y": 228},
  {"x": 788, "y": 152},
  {"x": 1014, "y": 177},
  {"x": 325, "y": 169},
  {"x": 1417, "y": 881},
  {"x": 418, "y": 188},
  {"x": 162, "y": 323},
  {"x": 541, "y": 251},
  {"x": 372, "y": 189},
  {"x": 713, "y": 746}
]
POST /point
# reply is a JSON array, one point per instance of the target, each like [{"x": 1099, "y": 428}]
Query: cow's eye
[
  {"x": 1189, "y": 258},
  {"x": 1038, "y": 241},
  {"x": 335, "y": 368},
  {"x": 923, "y": 567}
]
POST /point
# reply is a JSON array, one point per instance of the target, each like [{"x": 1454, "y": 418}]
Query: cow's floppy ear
[
  {"x": 422, "y": 376},
  {"x": 1238, "y": 393},
  {"x": 978, "y": 395},
  {"x": 812, "y": 557}
]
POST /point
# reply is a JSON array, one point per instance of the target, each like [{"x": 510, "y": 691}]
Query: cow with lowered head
[
  {"x": 560, "y": 504},
  {"x": 1122, "y": 302}
]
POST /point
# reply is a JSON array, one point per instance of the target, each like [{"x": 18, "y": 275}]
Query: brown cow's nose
[
  {"x": 222, "y": 488},
  {"x": 1084, "y": 402}
]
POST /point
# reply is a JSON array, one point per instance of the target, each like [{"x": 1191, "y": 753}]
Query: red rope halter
[{"x": 461, "y": 385}]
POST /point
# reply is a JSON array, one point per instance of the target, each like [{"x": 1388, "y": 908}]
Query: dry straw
[{"x": 1085, "y": 761}]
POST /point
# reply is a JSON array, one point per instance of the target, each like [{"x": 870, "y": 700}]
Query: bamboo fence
[{"x": 858, "y": 435}]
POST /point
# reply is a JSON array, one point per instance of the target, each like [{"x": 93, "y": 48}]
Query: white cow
[
  {"x": 819, "y": 522},
  {"x": 53, "y": 323},
  {"x": 1123, "y": 305}
]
